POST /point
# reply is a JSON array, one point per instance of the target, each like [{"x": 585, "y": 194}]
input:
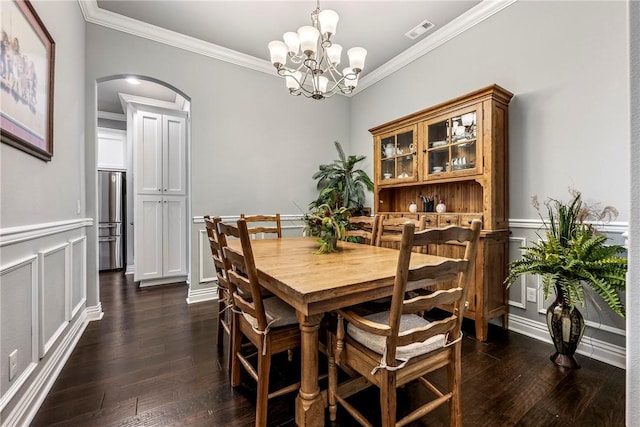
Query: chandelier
[{"x": 313, "y": 59}]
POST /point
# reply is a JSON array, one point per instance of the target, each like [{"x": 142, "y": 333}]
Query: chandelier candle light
[{"x": 315, "y": 58}]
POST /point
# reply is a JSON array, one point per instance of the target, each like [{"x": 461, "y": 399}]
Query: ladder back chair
[
  {"x": 390, "y": 231},
  {"x": 269, "y": 324},
  {"x": 224, "y": 297},
  {"x": 392, "y": 348},
  {"x": 266, "y": 224},
  {"x": 364, "y": 227}
]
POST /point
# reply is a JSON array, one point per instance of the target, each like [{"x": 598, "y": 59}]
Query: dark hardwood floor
[{"x": 152, "y": 361}]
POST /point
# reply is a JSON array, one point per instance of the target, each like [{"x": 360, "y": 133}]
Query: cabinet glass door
[
  {"x": 398, "y": 156},
  {"x": 452, "y": 145}
]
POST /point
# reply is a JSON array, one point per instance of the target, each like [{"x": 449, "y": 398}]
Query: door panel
[
  {"x": 175, "y": 244},
  {"x": 148, "y": 238},
  {"x": 148, "y": 148},
  {"x": 174, "y": 155}
]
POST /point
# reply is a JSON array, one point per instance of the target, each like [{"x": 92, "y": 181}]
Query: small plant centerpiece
[
  {"x": 572, "y": 256},
  {"x": 328, "y": 225}
]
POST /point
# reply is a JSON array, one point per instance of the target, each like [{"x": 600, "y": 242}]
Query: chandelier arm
[{"x": 338, "y": 79}]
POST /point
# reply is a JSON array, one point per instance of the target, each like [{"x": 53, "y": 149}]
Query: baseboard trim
[
  {"x": 201, "y": 295},
  {"x": 94, "y": 313},
  {"x": 162, "y": 281},
  {"x": 591, "y": 347},
  {"x": 29, "y": 403}
]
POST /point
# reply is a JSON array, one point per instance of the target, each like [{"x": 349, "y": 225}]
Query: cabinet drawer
[
  {"x": 445, "y": 220},
  {"x": 431, "y": 220},
  {"x": 465, "y": 220}
]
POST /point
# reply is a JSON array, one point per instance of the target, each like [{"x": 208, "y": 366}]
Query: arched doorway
[{"x": 115, "y": 152}]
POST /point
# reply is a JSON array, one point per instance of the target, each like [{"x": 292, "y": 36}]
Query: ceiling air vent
[{"x": 420, "y": 29}]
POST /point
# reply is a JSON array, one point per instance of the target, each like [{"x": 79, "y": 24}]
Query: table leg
[{"x": 309, "y": 404}]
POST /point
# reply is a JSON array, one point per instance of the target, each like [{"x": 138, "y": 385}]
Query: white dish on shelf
[
  {"x": 438, "y": 143},
  {"x": 386, "y": 175}
]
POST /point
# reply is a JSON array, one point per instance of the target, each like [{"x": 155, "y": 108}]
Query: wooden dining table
[{"x": 315, "y": 284}]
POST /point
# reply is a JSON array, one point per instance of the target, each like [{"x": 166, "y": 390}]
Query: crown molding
[
  {"x": 95, "y": 15},
  {"x": 92, "y": 13},
  {"x": 107, "y": 115},
  {"x": 462, "y": 23}
]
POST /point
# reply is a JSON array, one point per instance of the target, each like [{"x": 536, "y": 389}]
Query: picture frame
[{"x": 26, "y": 80}]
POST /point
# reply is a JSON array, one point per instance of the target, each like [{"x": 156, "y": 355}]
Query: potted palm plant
[
  {"x": 342, "y": 184},
  {"x": 572, "y": 256}
]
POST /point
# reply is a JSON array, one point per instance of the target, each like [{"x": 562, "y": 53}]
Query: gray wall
[
  {"x": 42, "y": 234},
  {"x": 568, "y": 121}
]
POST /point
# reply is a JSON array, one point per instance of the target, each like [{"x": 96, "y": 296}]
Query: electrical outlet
[
  {"x": 13, "y": 364},
  {"x": 531, "y": 294}
]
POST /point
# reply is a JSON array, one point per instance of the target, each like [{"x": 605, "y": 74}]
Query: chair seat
[
  {"x": 277, "y": 312},
  {"x": 377, "y": 343}
]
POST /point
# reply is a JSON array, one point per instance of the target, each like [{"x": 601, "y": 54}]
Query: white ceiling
[{"x": 246, "y": 27}]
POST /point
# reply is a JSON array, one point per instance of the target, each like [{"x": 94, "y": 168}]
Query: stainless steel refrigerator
[{"x": 111, "y": 212}]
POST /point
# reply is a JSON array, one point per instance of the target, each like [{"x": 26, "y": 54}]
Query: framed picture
[{"x": 26, "y": 80}]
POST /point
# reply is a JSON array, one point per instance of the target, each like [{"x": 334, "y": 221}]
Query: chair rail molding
[
  {"x": 615, "y": 227},
  {"x": 12, "y": 235}
]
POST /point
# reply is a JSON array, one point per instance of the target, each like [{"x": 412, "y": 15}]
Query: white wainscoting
[
  {"x": 17, "y": 275},
  {"x": 42, "y": 307},
  {"x": 54, "y": 285},
  {"x": 78, "y": 269}
]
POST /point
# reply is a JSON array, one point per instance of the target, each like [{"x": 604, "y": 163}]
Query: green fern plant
[{"x": 574, "y": 254}]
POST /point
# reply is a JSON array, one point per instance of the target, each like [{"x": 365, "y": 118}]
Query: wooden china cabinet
[{"x": 456, "y": 152}]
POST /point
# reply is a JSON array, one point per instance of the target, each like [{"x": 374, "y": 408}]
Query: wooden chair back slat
[
  {"x": 448, "y": 234},
  {"x": 434, "y": 328},
  {"x": 449, "y": 269},
  {"x": 276, "y": 228},
  {"x": 365, "y": 227},
  {"x": 422, "y": 303},
  {"x": 390, "y": 231}
]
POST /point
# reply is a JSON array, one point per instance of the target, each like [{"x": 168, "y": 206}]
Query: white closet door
[
  {"x": 148, "y": 149},
  {"x": 148, "y": 239},
  {"x": 174, "y": 258},
  {"x": 174, "y": 155}
]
